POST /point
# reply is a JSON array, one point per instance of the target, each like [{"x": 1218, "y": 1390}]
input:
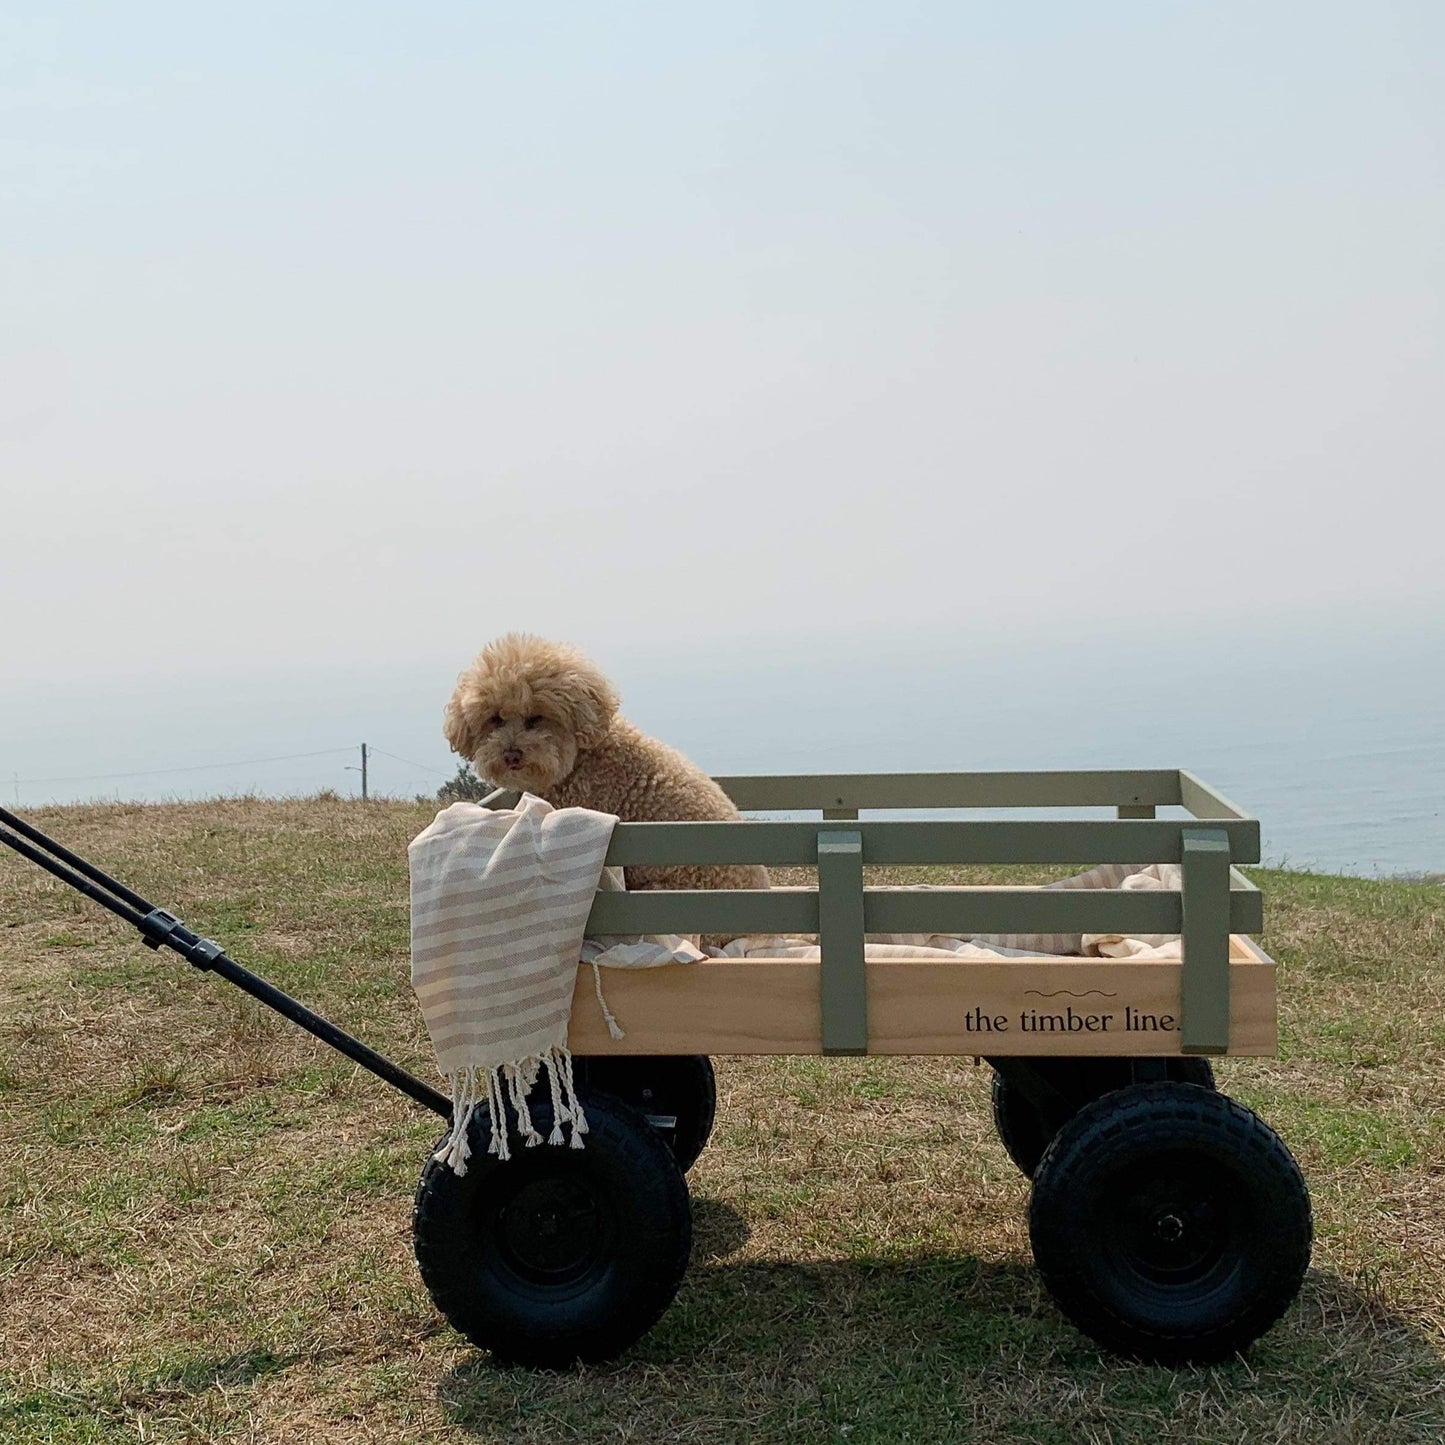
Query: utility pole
[{"x": 361, "y": 770}]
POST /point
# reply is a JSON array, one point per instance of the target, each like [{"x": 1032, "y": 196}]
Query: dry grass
[{"x": 205, "y": 1217}]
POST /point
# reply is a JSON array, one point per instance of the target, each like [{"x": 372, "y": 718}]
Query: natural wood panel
[{"x": 919, "y": 1006}]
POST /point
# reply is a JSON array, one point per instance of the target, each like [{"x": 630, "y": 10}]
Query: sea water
[{"x": 1332, "y": 738}]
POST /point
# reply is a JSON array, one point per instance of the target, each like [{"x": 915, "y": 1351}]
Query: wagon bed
[{"x": 1219, "y": 1000}]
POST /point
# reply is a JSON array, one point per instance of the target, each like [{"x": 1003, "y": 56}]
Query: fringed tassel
[
  {"x": 515, "y": 1080},
  {"x": 455, "y": 1149},
  {"x": 613, "y": 1027},
  {"x": 517, "y": 1085},
  {"x": 569, "y": 1094},
  {"x": 498, "y": 1109},
  {"x": 559, "y": 1109}
]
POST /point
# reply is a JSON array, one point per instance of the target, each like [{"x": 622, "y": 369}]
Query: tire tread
[
  {"x": 1132, "y": 1118},
  {"x": 635, "y": 1147}
]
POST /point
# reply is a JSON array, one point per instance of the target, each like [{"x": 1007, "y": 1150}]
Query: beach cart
[{"x": 1169, "y": 1222}]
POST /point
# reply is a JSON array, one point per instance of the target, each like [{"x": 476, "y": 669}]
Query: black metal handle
[{"x": 160, "y": 929}]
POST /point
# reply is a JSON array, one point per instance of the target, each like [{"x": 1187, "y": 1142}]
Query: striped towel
[{"x": 499, "y": 901}]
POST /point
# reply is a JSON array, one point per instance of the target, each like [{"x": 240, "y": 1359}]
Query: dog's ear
[
  {"x": 461, "y": 720},
  {"x": 594, "y": 705}
]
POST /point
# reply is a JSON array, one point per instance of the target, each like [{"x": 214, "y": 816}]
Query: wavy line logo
[{"x": 1087, "y": 993}]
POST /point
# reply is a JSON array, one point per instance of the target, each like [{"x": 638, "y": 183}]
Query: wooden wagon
[{"x": 1168, "y": 1221}]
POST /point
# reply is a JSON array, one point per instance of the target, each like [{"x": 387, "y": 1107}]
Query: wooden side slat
[
  {"x": 1206, "y": 802},
  {"x": 777, "y": 843},
  {"x": 1082, "y": 788},
  {"x": 903, "y": 910}
]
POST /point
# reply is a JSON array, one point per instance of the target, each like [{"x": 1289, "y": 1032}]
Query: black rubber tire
[
  {"x": 1025, "y": 1133},
  {"x": 496, "y": 1265},
  {"x": 1170, "y": 1223},
  {"x": 680, "y": 1085}
]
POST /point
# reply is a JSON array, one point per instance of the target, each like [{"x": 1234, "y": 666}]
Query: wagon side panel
[{"x": 923, "y": 1006}]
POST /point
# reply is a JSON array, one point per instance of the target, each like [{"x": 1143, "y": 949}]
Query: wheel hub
[
  {"x": 1169, "y": 1228},
  {"x": 550, "y": 1230},
  {"x": 1175, "y": 1228}
]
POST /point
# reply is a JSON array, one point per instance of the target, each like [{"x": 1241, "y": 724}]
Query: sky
[{"x": 336, "y": 339}]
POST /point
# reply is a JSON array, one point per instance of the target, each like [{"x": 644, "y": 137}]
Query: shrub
[{"x": 466, "y": 787}]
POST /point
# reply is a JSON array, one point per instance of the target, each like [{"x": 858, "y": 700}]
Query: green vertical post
[
  {"x": 843, "y": 977},
  {"x": 1204, "y": 1001}
]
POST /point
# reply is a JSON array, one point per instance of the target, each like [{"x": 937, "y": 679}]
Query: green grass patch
[{"x": 204, "y": 1215}]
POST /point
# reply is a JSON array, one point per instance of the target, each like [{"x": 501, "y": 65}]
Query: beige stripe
[
  {"x": 526, "y": 961},
  {"x": 486, "y": 961},
  {"x": 517, "y": 1004},
  {"x": 494, "y": 945},
  {"x": 490, "y": 949},
  {"x": 498, "y": 912},
  {"x": 493, "y": 995},
  {"x": 484, "y": 948},
  {"x": 471, "y": 923},
  {"x": 471, "y": 1036},
  {"x": 487, "y": 935},
  {"x": 532, "y": 1011},
  {"x": 485, "y": 969},
  {"x": 572, "y": 860},
  {"x": 488, "y": 1056},
  {"x": 475, "y": 982},
  {"x": 497, "y": 902}
]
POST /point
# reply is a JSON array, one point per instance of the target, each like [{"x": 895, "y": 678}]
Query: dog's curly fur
[{"x": 540, "y": 717}]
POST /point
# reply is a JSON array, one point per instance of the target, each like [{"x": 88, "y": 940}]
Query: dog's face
[{"x": 525, "y": 709}]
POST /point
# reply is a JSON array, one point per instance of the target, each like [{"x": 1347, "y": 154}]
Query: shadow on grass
[
  {"x": 96, "y": 1411},
  {"x": 190, "y": 1376},
  {"x": 942, "y": 1347},
  {"x": 718, "y": 1230}
]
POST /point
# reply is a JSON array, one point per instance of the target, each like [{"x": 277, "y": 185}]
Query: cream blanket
[{"x": 982, "y": 946}]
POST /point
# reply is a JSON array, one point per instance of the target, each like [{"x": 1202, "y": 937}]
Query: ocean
[{"x": 1333, "y": 738}]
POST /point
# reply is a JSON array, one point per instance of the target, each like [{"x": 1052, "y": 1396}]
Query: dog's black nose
[{"x": 512, "y": 758}]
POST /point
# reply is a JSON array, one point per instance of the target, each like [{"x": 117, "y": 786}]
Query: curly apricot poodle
[{"x": 540, "y": 717}]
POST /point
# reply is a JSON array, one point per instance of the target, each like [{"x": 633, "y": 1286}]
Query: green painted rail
[{"x": 1214, "y": 901}]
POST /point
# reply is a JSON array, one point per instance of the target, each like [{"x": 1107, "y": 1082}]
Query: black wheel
[
  {"x": 1025, "y": 1129},
  {"x": 676, "y": 1092},
  {"x": 559, "y": 1254},
  {"x": 1170, "y": 1223}
]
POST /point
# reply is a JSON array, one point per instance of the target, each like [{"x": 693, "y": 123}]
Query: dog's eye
[
  {"x": 496, "y": 719},
  {"x": 531, "y": 722}
]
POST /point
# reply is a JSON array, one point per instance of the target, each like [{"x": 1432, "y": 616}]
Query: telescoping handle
[{"x": 160, "y": 929}]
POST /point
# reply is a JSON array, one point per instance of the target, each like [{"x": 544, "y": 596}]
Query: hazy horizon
[
  {"x": 1332, "y": 740},
  {"x": 776, "y": 345}
]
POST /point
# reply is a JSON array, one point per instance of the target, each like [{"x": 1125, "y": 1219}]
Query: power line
[
  {"x": 437, "y": 772},
  {"x": 196, "y": 768}
]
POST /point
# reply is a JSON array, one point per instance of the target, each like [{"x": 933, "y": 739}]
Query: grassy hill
[{"x": 205, "y": 1216}]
